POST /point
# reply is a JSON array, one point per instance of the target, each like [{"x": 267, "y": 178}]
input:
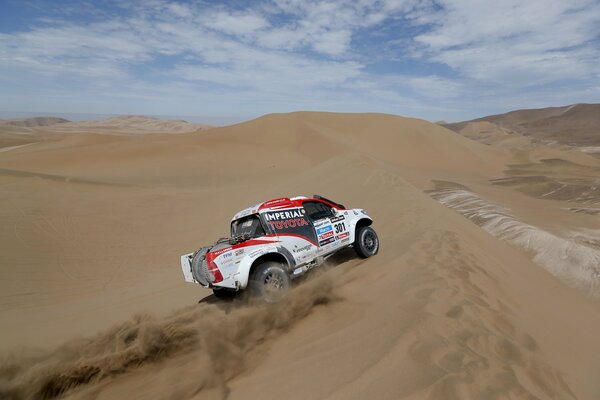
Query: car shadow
[
  {"x": 210, "y": 299},
  {"x": 341, "y": 257}
]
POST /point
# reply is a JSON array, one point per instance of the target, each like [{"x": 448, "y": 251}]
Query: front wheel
[
  {"x": 366, "y": 242},
  {"x": 270, "y": 282}
]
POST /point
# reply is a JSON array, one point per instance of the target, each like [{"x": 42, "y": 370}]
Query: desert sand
[{"x": 485, "y": 287}]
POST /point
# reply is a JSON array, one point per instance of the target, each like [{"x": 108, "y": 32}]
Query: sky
[{"x": 445, "y": 60}]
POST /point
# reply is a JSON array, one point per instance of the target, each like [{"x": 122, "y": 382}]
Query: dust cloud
[{"x": 213, "y": 342}]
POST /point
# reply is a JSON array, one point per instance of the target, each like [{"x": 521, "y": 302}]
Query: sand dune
[
  {"x": 20, "y": 132},
  {"x": 131, "y": 124},
  {"x": 31, "y": 122},
  {"x": 574, "y": 125},
  {"x": 95, "y": 225},
  {"x": 576, "y": 263}
]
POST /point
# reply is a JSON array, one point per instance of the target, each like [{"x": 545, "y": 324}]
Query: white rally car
[{"x": 277, "y": 241}]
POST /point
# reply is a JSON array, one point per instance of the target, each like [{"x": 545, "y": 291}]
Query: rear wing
[{"x": 316, "y": 196}]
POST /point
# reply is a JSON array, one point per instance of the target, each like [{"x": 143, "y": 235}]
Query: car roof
[{"x": 278, "y": 204}]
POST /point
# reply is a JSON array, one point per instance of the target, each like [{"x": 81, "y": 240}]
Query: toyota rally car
[{"x": 277, "y": 241}]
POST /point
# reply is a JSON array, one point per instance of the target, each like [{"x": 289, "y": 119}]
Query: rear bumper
[
  {"x": 186, "y": 267},
  {"x": 228, "y": 282}
]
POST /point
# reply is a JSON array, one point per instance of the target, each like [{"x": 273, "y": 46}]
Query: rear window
[{"x": 248, "y": 226}]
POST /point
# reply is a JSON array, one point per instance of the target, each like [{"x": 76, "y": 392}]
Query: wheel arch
[
  {"x": 365, "y": 221},
  {"x": 279, "y": 256}
]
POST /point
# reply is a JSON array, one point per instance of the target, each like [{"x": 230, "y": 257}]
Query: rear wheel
[
  {"x": 366, "y": 242},
  {"x": 269, "y": 282}
]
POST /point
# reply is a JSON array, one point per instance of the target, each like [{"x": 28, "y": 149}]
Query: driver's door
[{"x": 322, "y": 216}]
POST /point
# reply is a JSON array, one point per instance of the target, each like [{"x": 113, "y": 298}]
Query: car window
[
  {"x": 249, "y": 226},
  {"x": 317, "y": 210}
]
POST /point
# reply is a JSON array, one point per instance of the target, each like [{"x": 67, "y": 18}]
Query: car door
[
  {"x": 341, "y": 229},
  {"x": 323, "y": 217},
  {"x": 294, "y": 231}
]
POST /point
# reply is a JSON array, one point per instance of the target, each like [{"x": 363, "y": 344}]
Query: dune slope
[
  {"x": 574, "y": 125},
  {"x": 445, "y": 310}
]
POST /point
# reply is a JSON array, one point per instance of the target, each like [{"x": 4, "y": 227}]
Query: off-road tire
[
  {"x": 269, "y": 282},
  {"x": 366, "y": 242}
]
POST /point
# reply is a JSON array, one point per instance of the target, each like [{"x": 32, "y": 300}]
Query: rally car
[{"x": 274, "y": 242}]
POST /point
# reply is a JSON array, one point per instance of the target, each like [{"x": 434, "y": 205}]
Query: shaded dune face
[
  {"x": 576, "y": 125},
  {"x": 91, "y": 282},
  {"x": 578, "y": 190},
  {"x": 557, "y": 179},
  {"x": 575, "y": 261},
  {"x": 583, "y": 210}
]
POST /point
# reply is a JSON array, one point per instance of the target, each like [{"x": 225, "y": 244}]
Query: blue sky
[{"x": 439, "y": 60}]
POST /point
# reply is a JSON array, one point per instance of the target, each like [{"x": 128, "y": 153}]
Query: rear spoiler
[{"x": 316, "y": 196}]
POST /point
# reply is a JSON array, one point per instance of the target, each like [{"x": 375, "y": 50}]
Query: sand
[{"x": 93, "y": 304}]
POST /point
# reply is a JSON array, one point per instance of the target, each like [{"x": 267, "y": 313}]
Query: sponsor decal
[
  {"x": 275, "y": 201},
  {"x": 301, "y": 249},
  {"x": 324, "y": 229},
  {"x": 336, "y": 219},
  {"x": 346, "y": 240},
  {"x": 282, "y": 215},
  {"x": 286, "y": 224},
  {"x": 326, "y": 235},
  {"x": 227, "y": 255},
  {"x": 326, "y": 241},
  {"x": 342, "y": 236},
  {"x": 255, "y": 253},
  {"x": 239, "y": 252},
  {"x": 320, "y": 223},
  {"x": 217, "y": 253},
  {"x": 290, "y": 221},
  {"x": 340, "y": 227}
]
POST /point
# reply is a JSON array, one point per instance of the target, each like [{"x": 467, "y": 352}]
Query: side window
[
  {"x": 249, "y": 225},
  {"x": 317, "y": 210}
]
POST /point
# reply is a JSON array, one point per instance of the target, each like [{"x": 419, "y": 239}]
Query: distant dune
[
  {"x": 129, "y": 125},
  {"x": 485, "y": 286},
  {"x": 19, "y": 132},
  {"x": 573, "y": 125},
  {"x": 122, "y": 125},
  {"x": 34, "y": 121},
  {"x": 134, "y": 124}
]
